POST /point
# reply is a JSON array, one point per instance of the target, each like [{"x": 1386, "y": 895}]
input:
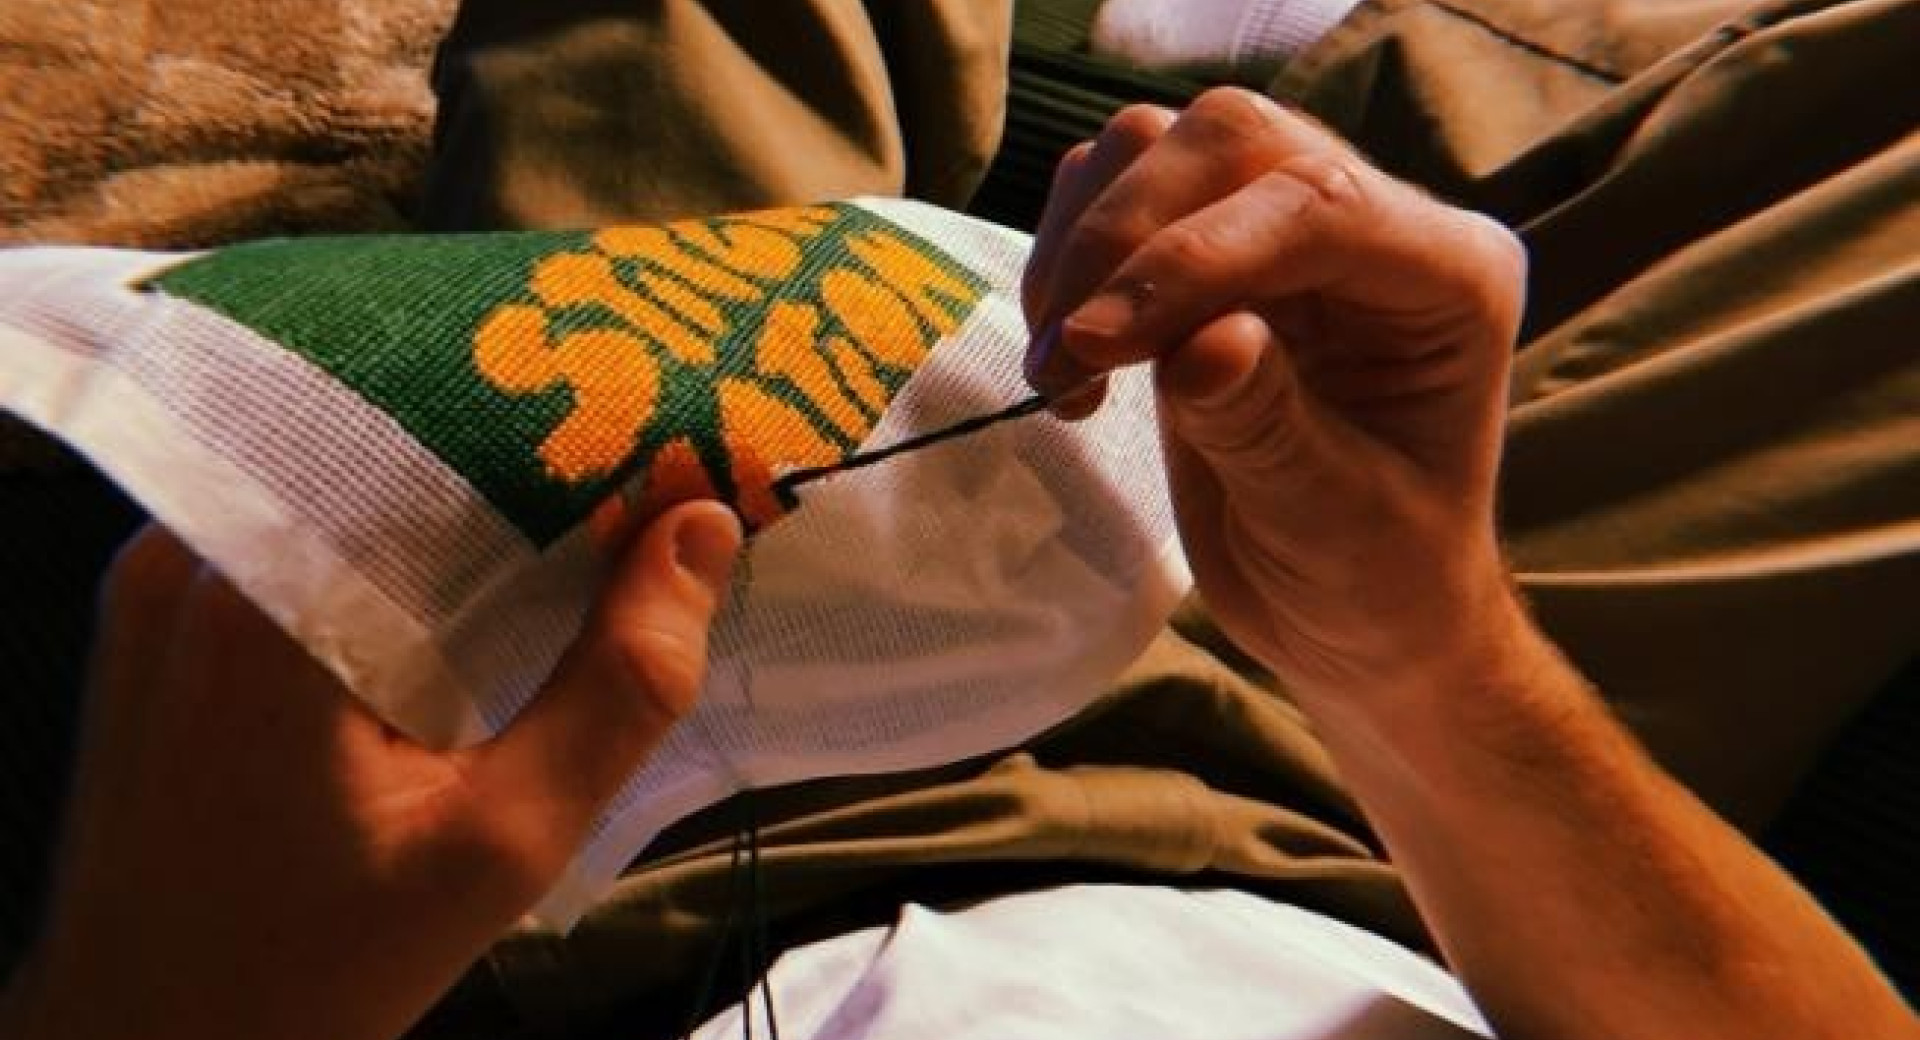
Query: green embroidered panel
[{"x": 550, "y": 368}]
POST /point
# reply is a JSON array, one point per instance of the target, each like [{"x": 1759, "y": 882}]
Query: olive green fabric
[
  {"x": 593, "y": 112},
  {"x": 1712, "y": 471}
]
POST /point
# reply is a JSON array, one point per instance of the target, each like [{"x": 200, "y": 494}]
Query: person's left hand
[{"x": 252, "y": 854}]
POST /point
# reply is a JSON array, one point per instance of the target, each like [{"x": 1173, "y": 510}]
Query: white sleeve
[
  {"x": 1283, "y": 28},
  {"x": 1240, "y": 37}
]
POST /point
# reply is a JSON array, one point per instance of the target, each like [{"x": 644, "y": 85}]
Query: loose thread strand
[
  {"x": 758, "y": 920},
  {"x": 710, "y": 981},
  {"x": 750, "y": 968},
  {"x": 787, "y": 486}
]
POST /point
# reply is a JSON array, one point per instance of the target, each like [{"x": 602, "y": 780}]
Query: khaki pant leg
[
  {"x": 591, "y": 112},
  {"x": 1449, "y": 93},
  {"x": 1187, "y": 774},
  {"x": 1712, "y": 485}
]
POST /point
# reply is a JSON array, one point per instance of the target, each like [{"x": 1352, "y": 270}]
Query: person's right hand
[{"x": 1331, "y": 351}]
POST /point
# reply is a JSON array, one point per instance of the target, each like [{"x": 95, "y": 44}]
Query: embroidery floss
[
  {"x": 748, "y": 937},
  {"x": 788, "y": 486}
]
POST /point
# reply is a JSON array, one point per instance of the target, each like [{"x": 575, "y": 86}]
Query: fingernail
[
  {"x": 1106, "y": 315},
  {"x": 1039, "y": 350},
  {"x": 1080, "y": 402},
  {"x": 705, "y": 546},
  {"x": 1052, "y": 372}
]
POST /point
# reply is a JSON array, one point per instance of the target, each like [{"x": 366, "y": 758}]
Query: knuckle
[
  {"x": 1501, "y": 259},
  {"x": 1505, "y": 252},
  {"x": 664, "y": 664},
  {"x": 1192, "y": 246},
  {"x": 1252, "y": 428},
  {"x": 1248, "y": 439},
  {"x": 1232, "y": 117},
  {"x": 1107, "y": 233},
  {"x": 1330, "y": 181},
  {"x": 1135, "y": 127}
]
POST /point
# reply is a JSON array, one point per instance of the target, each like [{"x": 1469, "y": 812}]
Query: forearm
[
  {"x": 1577, "y": 890},
  {"x": 1332, "y": 353}
]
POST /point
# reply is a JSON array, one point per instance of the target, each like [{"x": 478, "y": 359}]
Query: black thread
[
  {"x": 743, "y": 865},
  {"x": 758, "y": 925},
  {"x": 746, "y": 889},
  {"x": 703, "y": 999},
  {"x": 786, "y": 486},
  {"x": 749, "y": 969}
]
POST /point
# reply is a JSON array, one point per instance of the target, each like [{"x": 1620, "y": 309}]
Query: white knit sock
[{"x": 1236, "y": 36}]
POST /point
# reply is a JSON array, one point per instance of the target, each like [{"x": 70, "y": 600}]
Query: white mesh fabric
[{"x": 937, "y": 605}]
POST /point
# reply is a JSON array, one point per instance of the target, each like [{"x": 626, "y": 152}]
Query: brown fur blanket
[
  {"x": 189, "y": 123},
  {"x": 179, "y": 124}
]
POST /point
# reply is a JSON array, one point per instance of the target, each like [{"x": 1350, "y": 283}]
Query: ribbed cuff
[{"x": 1283, "y": 28}]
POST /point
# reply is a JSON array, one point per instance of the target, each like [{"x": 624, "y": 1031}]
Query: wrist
[
  {"x": 1481, "y": 651},
  {"x": 1453, "y": 728}
]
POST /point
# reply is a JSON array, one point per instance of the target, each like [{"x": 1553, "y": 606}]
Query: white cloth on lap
[{"x": 1110, "y": 962}]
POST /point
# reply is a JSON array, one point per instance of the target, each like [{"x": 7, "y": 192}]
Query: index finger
[
  {"x": 1334, "y": 228},
  {"x": 1083, "y": 174},
  {"x": 1224, "y": 141}
]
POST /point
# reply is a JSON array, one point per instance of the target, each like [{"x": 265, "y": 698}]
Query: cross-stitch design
[{"x": 703, "y": 357}]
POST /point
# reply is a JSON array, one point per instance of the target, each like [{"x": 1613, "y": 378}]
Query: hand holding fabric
[{"x": 251, "y": 853}]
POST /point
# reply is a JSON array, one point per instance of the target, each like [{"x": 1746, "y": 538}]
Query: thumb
[
  {"x": 1231, "y": 396},
  {"x": 633, "y": 671}
]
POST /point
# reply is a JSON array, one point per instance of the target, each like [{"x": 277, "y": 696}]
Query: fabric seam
[{"x": 1531, "y": 46}]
